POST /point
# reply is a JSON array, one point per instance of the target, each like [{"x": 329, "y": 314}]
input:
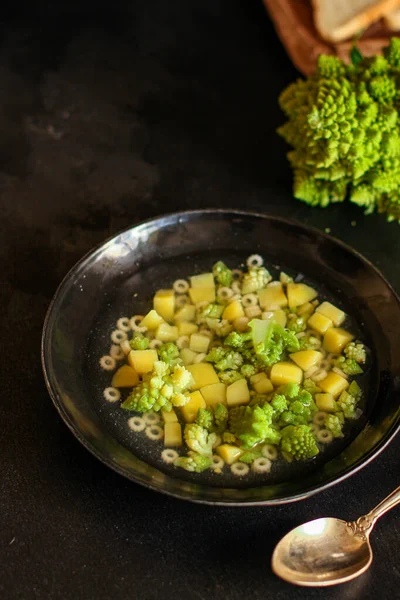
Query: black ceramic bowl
[{"x": 120, "y": 277}]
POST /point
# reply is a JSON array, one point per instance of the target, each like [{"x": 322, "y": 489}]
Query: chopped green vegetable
[
  {"x": 139, "y": 342},
  {"x": 222, "y": 274},
  {"x": 297, "y": 442},
  {"x": 195, "y": 463}
]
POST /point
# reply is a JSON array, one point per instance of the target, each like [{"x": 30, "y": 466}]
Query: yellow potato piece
[
  {"x": 214, "y": 394},
  {"x": 142, "y": 360},
  {"x": 306, "y": 358},
  {"x": 126, "y": 376},
  {"x": 167, "y": 333},
  {"x": 203, "y": 374},
  {"x": 202, "y": 294},
  {"x": 325, "y": 402},
  {"x": 305, "y": 308},
  {"x": 186, "y": 313},
  {"x": 172, "y": 435},
  {"x": 272, "y": 297},
  {"x": 333, "y": 313},
  {"x": 169, "y": 416},
  {"x": 279, "y": 316},
  {"x": 237, "y": 393},
  {"x": 187, "y": 356},
  {"x": 299, "y": 293},
  {"x": 229, "y": 453},
  {"x": 185, "y": 328},
  {"x": 261, "y": 383},
  {"x": 285, "y": 372},
  {"x": 233, "y": 311},
  {"x": 319, "y": 323},
  {"x": 205, "y": 280},
  {"x": 164, "y": 304},
  {"x": 335, "y": 339},
  {"x": 189, "y": 411},
  {"x": 199, "y": 342},
  {"x": 333, "y": 384},
  {"x": 152, "y": 320}
]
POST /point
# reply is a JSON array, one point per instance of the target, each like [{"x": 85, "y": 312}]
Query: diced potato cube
[
  {"x": 285, "y": 372},
  {"x": 333, "y": 384},
  {"x": 272, "y": 297},
  {"x": 305, "y": 309},
  {"x": 214, "y": 394},
  {"x": 237, "y": 393},
  {"x": 142, "y": 360},
  {"x": 169, "y": 416},
  {"x": 187, "y": 356},
  {"x": 333, "y": 313},
  {"x": 167, "y": 333},
  {"x": 279, "y": 316},
  {"x": 299, "y": 293},
  {"x": 241, "y": 324},
  {"x": 172, "y": 435},
  {"x": 205, "y": 280},
  {"x": 233, "y": 311},
  {"x": 319, "y": 323},
  {"x": 164, "y": 304},
  {"x": 199, "y": 342},
  {"x": 325, "y": 402},
  {"x": 185, "y": 328},
  {"x": 126, "y": 376},
  {"x": 152, "y": 320},
  {"x": 335, "y": 339},
  {"x": 229, "y": 453},
  {"x": 189, "y": 411},
  {"x": 203, "y": 374},
  {"x": 186, "y": 313},
  {"x": 202, "y": 294},
  {"x": 261, "y": 383},
  {"x": 306, "y": 358}
]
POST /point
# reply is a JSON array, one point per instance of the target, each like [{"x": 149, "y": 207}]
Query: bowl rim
[{"x": 317, "y": 488}]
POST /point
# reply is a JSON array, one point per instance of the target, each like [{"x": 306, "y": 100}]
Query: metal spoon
[{"x": 328, "y": 551}]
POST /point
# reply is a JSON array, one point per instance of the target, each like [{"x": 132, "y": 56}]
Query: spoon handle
[{"x": 386, "y": 504}]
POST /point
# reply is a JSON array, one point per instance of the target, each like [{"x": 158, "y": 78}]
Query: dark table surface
[{"x": 108, "y": 117}]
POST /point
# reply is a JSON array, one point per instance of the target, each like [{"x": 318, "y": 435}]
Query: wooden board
[{"x": 293, "y": 21}]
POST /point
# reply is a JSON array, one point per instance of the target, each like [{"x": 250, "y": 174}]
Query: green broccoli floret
[
  {"x": 248, "y": 370},
  {"x": 229, "y": 377},
  {"x": 166, "y": 386},
  {"x": 300, "y": 408},
  {"x": 222, "y": 274},
  {"x": 356, "y": 352},
  {"x": 224, "y": 359},
  {"x": 139, "y": 342},
  {"x": 228, "y": 437},
  {"x": 290, "y": 390},
  {"x": 348, "y": 365},
  {"x": 279, "y": 403},
  {"x": 270, "y": 341},
  {"x": 309, "y": 342},
  {"x": 255, "y": 279},
  {"x": 347, "y": 404},
  {"x": 253, "y": 425},
  {"x": 195, "y": 463},
  {"x": 355, "y": 390},
  {"x": 199, "y": 439},
  {"x": 239, "y": 340},
  {"x": 169, "y": 353},
  {"x": 297, "y": 442},
  {"x": 205, "y": 418},
  {"x": 334, "y": 423},
  {"x": 344, "y": 128},
  {"x": 221, "y": 416},
  {"x": 210, "y": 311},
  {"x": 296, "y": 324},
  {"x": 311, "y": 386},
  {"x": 250, "y": 456}
]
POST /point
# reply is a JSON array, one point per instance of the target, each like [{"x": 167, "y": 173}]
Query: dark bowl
[{"x": 121, "y": 276}]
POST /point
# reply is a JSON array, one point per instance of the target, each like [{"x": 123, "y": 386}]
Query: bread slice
[
  {"x": 392, "y": 20},
  {"x": 337, "y": 20}
]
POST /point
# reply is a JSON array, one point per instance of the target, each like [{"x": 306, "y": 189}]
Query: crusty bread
[
  {"x": 392, "y": 20},
  {"x": 337, "y": 20}
]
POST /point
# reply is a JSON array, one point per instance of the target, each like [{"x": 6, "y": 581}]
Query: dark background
[{"x": 109, "y": 116}]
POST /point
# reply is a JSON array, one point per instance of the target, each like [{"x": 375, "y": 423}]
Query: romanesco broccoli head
[
  {"x": 311, "y": 386},
  {"x": 169, "y": 353},
  {"x": 139, "y": 342},
  {"x": 225, "y": 359},
  {"x": 221, "y": 416},
  {"x": 229, "y": 377},
  {"x": 309, "y": 342},
  {"x": 298, "y": 443},
  {"x": 356, "y": 352},
  {"x": 255, "y": 279},
  {"x": 205, "y": 418},
  {"x": 253, "y": 425},
  {"x": 239, "y": 340},
  {"x": 348, "y": 365},
  {"x": 250, "y": 456},
  {"x": 279, "y": 403},
  {"x": 195, "y": 463},
  {"x": 334, "y": 423},
  {"x": 347, "y": 404},
  {"x": 296, "y": 324},
  {"x": 199, "y": 439},
  {"x": 248, "y": 370},
  {"x": 210, "y": 311},
  {"x": 222, "y": 274}
]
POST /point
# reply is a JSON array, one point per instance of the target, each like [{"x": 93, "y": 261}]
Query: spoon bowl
[{"x": 320, "y": 553}]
